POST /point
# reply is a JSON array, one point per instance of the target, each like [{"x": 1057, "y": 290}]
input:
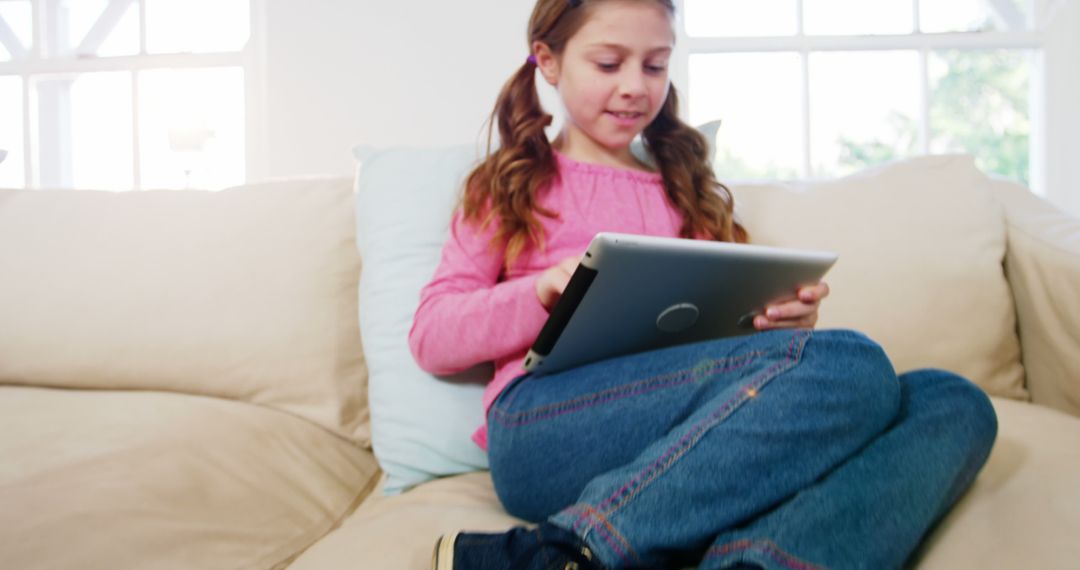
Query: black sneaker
[{"x": 545, "y": 547}]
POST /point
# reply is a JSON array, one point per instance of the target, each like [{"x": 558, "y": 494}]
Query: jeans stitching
[
  {"x": 644, "y": 386},
  {"x": 767, "y": 547},
  {"x": 622, "y": 496},
  {"x": 610, "y": 533}
]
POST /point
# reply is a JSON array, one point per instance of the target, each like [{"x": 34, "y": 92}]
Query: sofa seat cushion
[
  {"x": 399, "y": 531},
  {"x": 116, "y": 479},
  {"x": 1020, "y": 513},
  {"x": 1023, "y": 510}
]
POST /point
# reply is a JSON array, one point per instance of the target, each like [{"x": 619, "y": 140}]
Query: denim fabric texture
[{"x": 783, "y": 449}]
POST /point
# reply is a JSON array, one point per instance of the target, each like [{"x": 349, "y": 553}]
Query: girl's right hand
[{"x": 552, "y": 282}]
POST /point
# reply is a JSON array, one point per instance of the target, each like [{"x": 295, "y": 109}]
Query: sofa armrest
[{"x": 1043, "y": 267}]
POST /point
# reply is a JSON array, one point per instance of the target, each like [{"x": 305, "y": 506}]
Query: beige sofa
[{"x": 182, "y": 382}]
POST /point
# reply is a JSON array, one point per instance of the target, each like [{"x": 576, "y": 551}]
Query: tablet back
[{"x": 635, "y": 293}]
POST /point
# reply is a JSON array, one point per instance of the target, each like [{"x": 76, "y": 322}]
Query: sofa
[{"x": 209, "y": 379}]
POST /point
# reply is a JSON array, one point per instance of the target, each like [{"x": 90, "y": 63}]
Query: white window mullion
[
  {"x": 28, "y": 140},
  {"x": 984, "y": 40},
  {"x": 38, "y": 32},
  {"x": 924, "y": 103},
  {"x": 61, "y": 66},
  {"x": 804, "y": 59},
  {"x": 142, "y": 27},
  {"x": 256, "y": 87},
  {"x": 924, "y": 79},
  {"x": 808, "y": 170},
  {"x": 136, "y": 144}
]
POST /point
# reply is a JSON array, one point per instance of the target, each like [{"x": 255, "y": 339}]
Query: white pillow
[{"x": 421, "y": 425}]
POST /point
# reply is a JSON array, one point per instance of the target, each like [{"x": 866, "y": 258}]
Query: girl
[{"x": 788, "y": 448}]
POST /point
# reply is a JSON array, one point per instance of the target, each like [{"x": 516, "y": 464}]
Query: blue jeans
[{"x": 783, "y": 449}]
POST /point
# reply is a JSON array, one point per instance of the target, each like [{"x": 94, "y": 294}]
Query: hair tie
[
  {"x": 574, "y": 3},
  {"x": 531, "y": 59}
]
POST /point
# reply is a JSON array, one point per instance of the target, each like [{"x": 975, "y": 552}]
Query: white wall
[
  {"x": 399, "y": 72},
  {"x": 426, "y": 72},
  {"x": 1062, "y": 118}
]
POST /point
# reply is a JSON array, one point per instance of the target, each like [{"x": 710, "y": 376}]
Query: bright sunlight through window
[
  {"x": 123, "y": 100},
  {"x": 822, "y": 88}
]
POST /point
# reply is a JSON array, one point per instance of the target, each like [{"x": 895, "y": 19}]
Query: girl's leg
[
  {"x": 658, "y": 453},
  {"x": 872, "y": 510}
]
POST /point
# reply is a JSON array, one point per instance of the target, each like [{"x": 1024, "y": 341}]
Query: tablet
[{"x": 634, "y": 293}]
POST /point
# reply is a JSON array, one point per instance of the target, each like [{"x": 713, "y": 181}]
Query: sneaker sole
[{"x": 443, "y": 556}]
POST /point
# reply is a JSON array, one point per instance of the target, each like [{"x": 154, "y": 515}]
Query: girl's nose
[{"x": 632, "y": 84}]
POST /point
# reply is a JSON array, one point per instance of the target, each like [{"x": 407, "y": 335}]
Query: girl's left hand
[{"x": 801, "y": 312}]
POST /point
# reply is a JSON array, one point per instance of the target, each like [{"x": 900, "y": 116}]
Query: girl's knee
[
  {"x": 860, "y": 367},
  {"x": 964, "y": 408}
]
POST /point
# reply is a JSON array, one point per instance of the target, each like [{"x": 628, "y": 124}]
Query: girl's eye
[
  {"x": 608, "y": 66},
  {"x": 655, "y": 68}
]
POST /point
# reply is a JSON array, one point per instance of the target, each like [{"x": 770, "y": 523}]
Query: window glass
[
  {"x": 192, "y": 128},
  {"x": 197, "y": 26},
  {"x": 86, "y": 142},
  {"x": 972, "y": 15},
  {"x": 101, "y": 28},
  {"x": 17, "y": 14},
  {"x": 12, "y": 171},
  {"x": 980, "y": 105},
  {"x": 864, "y": 109},
  {"x": 758, "y": 99},
  {"x": 729, "y": 18},
  {"x": 101, "y": 131},
  {"x": 858, "y": 17}
]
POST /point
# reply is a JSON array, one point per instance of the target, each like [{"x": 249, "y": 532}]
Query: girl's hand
[
  {"x": 552, "y": 282},
  {"x": 801, "y": 312}
]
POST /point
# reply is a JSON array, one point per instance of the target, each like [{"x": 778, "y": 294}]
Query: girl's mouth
[{"x": 625, "y": 118}]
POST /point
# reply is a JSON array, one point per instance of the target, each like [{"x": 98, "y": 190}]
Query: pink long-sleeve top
[{"x": 474, "y": 311}]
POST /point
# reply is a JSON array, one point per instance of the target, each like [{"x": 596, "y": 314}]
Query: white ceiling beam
[
  {"x": 105, "y": 24},
  {"x": 10, "y": 41}
]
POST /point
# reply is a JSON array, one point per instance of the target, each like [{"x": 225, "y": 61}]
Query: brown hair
[{"x": 504, "y": 188}]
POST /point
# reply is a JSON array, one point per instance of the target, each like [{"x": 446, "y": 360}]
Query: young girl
[{"x": 788, "y": 448}]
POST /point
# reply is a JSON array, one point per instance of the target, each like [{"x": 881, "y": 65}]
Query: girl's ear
[{"x": 546, "y": 62}]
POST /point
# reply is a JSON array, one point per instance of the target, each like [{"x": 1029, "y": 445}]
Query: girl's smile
[{"x": 626, "y": 119}]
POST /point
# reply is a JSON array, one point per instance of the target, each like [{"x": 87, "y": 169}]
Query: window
[
  {"x": 822, "y": 88},
  {"x": 125, "y": 94}
]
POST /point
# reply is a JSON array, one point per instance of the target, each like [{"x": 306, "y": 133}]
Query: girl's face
[{"x": 612, "y": 76}]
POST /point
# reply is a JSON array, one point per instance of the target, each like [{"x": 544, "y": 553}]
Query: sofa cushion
[
  {"x": 921, "y": 246},
  {"x": 410, "y": 522},
  {"x": 1020, "y": 513},
  {"x": 112, "y": 479},
  {"x": 1043, "y": 265},
  {"x": 1023, "y": 510},
  {"x": 247, "y": 294}
]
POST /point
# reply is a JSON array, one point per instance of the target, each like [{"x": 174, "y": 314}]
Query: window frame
[
  {"x": 35, "y": 63},
  {"x": 1034, "y": 39}
]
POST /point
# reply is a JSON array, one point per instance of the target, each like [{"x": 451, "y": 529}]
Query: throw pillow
[
  {"x": 421, "y": 425},
  {"x": 921, "y": 245}
]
